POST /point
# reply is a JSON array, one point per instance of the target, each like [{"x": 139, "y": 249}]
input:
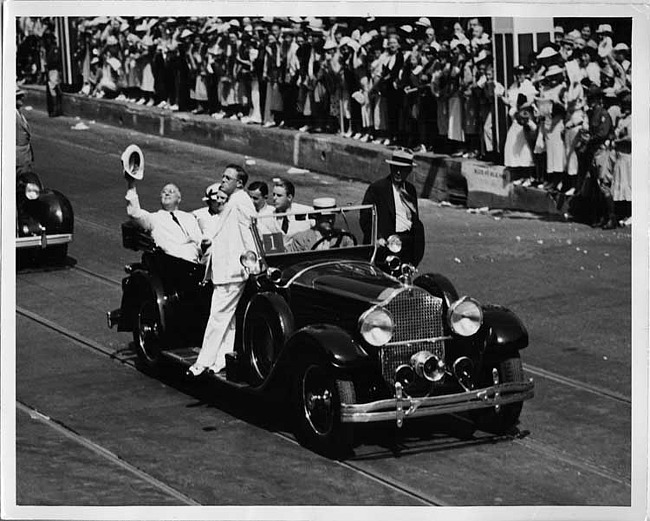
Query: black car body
[
  {"x": 349, "y": 338},
  {"x": 44, "y": 220}
]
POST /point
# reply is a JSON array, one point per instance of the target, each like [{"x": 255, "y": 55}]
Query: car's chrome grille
[{"x": 416, "y": 315}]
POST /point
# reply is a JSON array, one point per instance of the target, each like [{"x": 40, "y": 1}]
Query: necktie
[
  {"x": 407, "y": 201},
  {"x": 175, "y": 219},
  {"x": 285, "y": 224}
]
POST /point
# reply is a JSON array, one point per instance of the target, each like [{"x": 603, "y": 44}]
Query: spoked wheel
[
  {"x": 146, "y": 335},
  {"x": 501, "y": 419},
  {"x": 319, "y": 398}
]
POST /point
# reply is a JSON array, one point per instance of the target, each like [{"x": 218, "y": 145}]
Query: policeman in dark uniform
[{"x": 600, "y": 159}]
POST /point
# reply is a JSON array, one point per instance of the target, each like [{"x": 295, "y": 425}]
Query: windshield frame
[{"x": 339, "y": 210}]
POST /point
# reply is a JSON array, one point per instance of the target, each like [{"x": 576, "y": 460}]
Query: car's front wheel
[
  {"x": 318, "y": 411},
  {"x": 146, "y": 335},
  {"x": 504, "y": 418}
]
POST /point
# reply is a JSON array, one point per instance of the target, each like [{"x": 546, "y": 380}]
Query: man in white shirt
[
  {"x": 283, "y": 193},
  {"x": 175, "y": 232},
  {"x": 259, "y": 192},
  {"x": 226, "y": 239}
]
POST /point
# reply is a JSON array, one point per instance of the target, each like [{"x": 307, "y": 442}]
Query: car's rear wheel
[
  {"x": 147, "y": 332},
  {"x": 318, "y": 411},
  {"x": 502, "y": 419}
]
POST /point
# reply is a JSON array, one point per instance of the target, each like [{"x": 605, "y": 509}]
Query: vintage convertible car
[
  {"x": 345, "y": 338},
  {"x": 44, "y": 221}
]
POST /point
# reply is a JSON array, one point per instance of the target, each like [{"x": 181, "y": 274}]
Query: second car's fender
[
  {"x": 504, "y": 329},
  {"x": 139, "y": 285}
]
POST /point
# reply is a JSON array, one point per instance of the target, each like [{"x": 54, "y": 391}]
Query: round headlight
[
  {"x": 376, "y": 326},
  {"x": 248, "y": 260},
  {"x": 32, "y": 191},
  {"x": 465, "y": 316},
  {"x": 394, "y": 243}
]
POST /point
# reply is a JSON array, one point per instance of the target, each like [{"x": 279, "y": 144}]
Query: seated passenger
[
  {"x": 258, "y": 191},
  {"x": 175, "y": 232},
  {"x": 323, "y": 235},
  {"x": 215, "y": 200},
  {"x": 283, "y": 194}
]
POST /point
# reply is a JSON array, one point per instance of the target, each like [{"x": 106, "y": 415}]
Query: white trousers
[{"x": 219, "y": 337}]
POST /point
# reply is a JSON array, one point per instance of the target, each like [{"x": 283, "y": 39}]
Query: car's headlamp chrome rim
[
  {"x": 394, "y": 243},
  {"x": 248, "y": 260},
  {"x": 32, "y": 191},
  {"x": 465, "y": 316},
  {"x": 376, "y": 326}
]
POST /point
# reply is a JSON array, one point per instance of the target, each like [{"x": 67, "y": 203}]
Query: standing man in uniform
[
  {"x": 24, "y": 150},
  {"x": 600, "y": 160},
  {"x": 397, "y": 208},
  {"x": 229, "y": 237}
]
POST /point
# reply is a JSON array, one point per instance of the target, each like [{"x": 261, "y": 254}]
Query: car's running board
[{"x": 187, "y": 356}]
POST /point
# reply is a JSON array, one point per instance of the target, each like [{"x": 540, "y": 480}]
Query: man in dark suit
[
  {"x": 397, "y": 208},
  {"x": 24, "y": 151}
]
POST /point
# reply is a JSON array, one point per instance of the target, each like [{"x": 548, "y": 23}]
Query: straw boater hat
[
  {"x": 423, "y": 22},
  {"x": 621, "y": 47},
  {"x": 604, "y": 29},
  {"x": 401, "y": 157},
  {"x": 324, "y": 203}
]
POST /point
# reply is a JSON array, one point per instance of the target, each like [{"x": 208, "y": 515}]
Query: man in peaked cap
[{"x": 396, "y": 202}]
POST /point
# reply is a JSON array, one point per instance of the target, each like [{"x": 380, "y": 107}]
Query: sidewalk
[{"x": 438, "y": 177}]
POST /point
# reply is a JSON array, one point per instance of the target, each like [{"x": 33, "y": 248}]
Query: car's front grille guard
[{"x": 418, "y": 318}]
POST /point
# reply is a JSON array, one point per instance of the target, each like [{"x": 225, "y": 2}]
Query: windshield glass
[{"x": 315, "y": 230}]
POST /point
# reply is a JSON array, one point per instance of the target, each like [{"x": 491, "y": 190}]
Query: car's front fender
[
  {"x": 331, "y": 344},
  {"x": 505, "y": 331}
]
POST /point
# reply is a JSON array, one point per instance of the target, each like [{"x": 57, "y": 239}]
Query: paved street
[{"x": 117, "y": 436}]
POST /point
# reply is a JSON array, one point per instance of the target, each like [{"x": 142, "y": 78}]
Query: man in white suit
[{"x": 229, "y": 237}]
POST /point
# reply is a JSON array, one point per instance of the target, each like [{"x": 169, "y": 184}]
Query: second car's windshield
[{"x": 314, "y": 230}]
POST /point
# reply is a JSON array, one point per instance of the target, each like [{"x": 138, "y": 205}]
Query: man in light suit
[
  {"x": 24, "y": 151},
  {"x": 397, "y": 208},
  {"x": 227, "y": 239}
]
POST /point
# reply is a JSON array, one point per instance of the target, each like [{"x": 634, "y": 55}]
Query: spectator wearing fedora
[{"x": 396, "y": 203}]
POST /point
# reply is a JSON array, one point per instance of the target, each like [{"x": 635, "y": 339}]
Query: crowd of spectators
[{"x": 427, "y": 84}]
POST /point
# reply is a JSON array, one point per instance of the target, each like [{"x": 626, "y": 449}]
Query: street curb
[{"x": 437, "y": 177}]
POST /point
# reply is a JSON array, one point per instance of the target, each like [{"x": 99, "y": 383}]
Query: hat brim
[
  {"x": 399, "y": 163},
  {"x": 126, "y": 155}
]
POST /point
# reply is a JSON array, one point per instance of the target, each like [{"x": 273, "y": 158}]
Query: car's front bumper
[
  {"x": 43, "y": 241},
  {"x": 402, "y": 406}
]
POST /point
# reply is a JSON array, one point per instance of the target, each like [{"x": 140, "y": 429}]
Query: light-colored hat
[
  {"x": 234, "y": 22},
  {"x": 558, "y": 30},
  {"x": 401, "y": 157},
  {"x": 547, "y": 52},
  {"x": 147, "y": 41},
  {"x": 424, "y": 22},
  {"x": 621, "y": 47},
  {"x": 356, "y": 35},
  {"x": 604, "y": 28},
  {"x": 186, "y": 33},
  {"x": 554, "y": 70},
  {"x": 407, "y": 29},
  {"x": 366, "y": 38},
  {"x": 133, "y": 162},
  {"x": 296, "y": 19},
  {"x": 324, "y": 203},
  {"x": 111, "y": 40},
  {"x": 211, "y": 192}
]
